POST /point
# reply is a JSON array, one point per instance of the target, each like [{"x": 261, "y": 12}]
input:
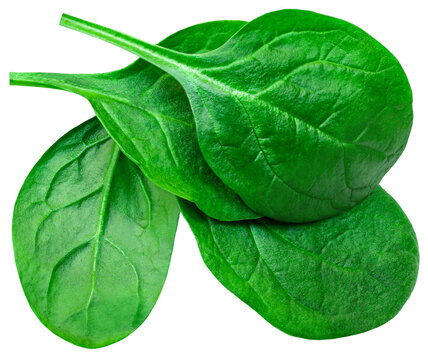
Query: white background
[{"x": 195, "y": 317}]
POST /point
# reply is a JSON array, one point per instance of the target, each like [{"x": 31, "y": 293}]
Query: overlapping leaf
[
  {"x": 336, "y": 277},
  {"x": 147, "y": 113},
  {"x": 299, "y": 113}
]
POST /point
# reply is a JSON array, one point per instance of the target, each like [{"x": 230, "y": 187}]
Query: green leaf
[
  {"x": 92, "y": 239},
  {"x": 327, "y": 279},
  {"x": 147, "y": 113},
  {"x": 299, "y": 113}
]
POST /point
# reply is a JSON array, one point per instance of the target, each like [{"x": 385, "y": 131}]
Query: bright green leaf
[
  {"x": 299, "y": 113},
  {"x": 332, "y": 278},
  {"x": 92, "y": 239},
  {"x": 147, "y": 113}
]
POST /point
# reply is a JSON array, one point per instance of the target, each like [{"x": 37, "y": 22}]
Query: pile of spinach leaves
[{"x": 271, "y": 135}]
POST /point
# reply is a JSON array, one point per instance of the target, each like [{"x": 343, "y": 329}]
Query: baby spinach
[
  {"x": 295, "y": 116},
  {"x": 147, "y": 113},
  {"x": 327, "y": 279},
  {"x": 299, "y": 113},
  {"x": 92, "y": 239}
]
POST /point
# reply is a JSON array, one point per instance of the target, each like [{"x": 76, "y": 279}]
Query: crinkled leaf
[
  {"x": 92, "y": 239},
  {"x": 327, "y": 279},
  {"x": 299, "y": 113},
  {"x": 147, "y": 113}
]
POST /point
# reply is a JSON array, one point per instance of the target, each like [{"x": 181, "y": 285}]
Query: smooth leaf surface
[
  {"x": 336, "y": 277},
  {"x": 299, "y": 113},
  {"x": 147, "y": 113},
  {"x": 92, "y": 239}
]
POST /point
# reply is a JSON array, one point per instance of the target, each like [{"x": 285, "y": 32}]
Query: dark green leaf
[
  {"x": 299, "y": 113},
  {"x": 327, "y": 279},
  {"x": 92, "y": 239},
  {"x": 147, "y": 113}
]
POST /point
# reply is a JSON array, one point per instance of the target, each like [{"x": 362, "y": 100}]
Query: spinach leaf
[
  {"x": 147, "y": 113},
  {"x": 299, "y": 113},
  {"x": 92, "y": 239},
  {"x": 327, "y": 279}
]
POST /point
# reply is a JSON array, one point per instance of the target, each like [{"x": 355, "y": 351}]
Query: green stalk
[
  {"x": 166, "y": 59},
  {"x": 46, "y": 80}
]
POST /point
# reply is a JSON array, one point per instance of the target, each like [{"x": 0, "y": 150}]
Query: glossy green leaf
[
  {"x": 299, "y": 113},
  {"x": 92, "y": 239},
  {"x": 147, "y": 113},
  {"x": 327, "y": 279}
]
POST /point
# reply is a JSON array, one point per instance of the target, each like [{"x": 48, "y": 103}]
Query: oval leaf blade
[
  {"x": 299, "y": 113},
  {"x": 92, "y": 239},
  {"x": 333, "y": 278}
]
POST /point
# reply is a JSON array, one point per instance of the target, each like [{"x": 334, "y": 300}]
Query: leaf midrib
[
  {"x": 105, "y": 195},
  {"x": 183, "y": 69}
]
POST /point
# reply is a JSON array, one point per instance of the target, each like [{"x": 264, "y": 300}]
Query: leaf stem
[
  {"x": 45, "y": 80},
  {"x": 166, "y": 59}
]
